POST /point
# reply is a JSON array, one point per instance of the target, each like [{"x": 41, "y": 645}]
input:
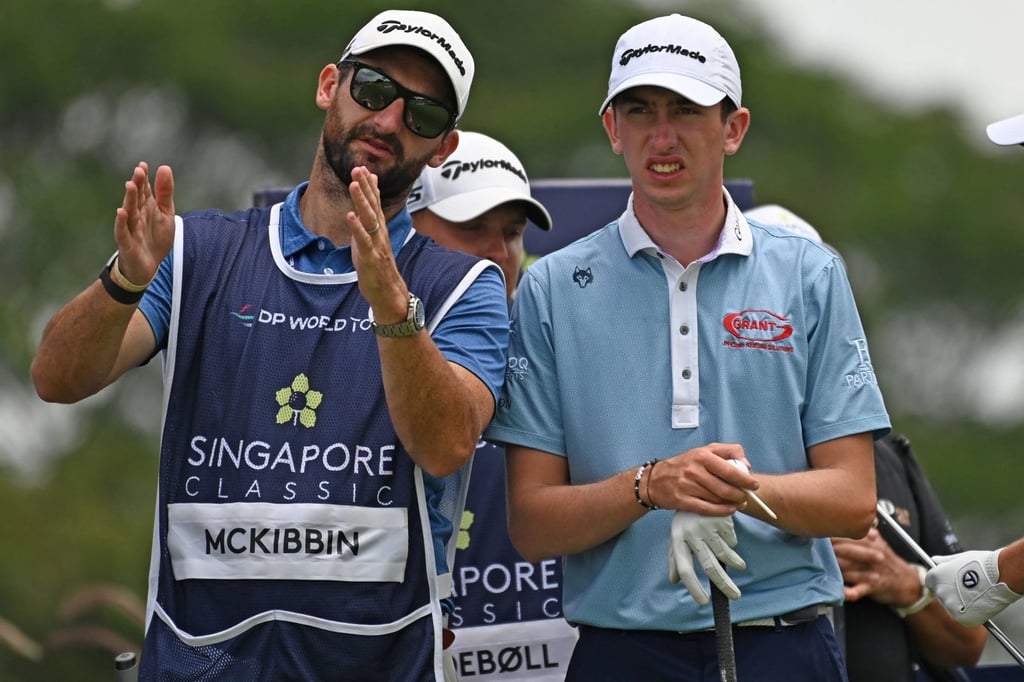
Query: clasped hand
[
  {"x": 870, "y": 567},
  {"x": 708, "y": 537}
]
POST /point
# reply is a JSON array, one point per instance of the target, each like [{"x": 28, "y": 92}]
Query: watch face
[{"x": 419, "y": 315}]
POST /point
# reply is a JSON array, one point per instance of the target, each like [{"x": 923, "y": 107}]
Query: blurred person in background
[
  {"x": 479, "y": 201},
  {"x": 889, "y": 622},
  {"x": 976, "y": 586}
]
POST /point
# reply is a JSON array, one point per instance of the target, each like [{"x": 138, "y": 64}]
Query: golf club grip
[
  {"x": 723, "y": 635},
  {"x": 126, "y": 667}
]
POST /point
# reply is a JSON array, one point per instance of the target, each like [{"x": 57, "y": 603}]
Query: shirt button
[
  {"x": 328, "y": 271},
  {"x": 684, "y": 330},
  {"x": 682, "y": 286},
  {"x": 686, "y": 374},
  {"x": 320, "y": 245}
]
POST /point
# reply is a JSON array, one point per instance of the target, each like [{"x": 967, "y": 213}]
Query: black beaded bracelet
[
  {"x": 650, "y": 475},
  {"x": 636, "y": 484},
  {"x": 117, "y": 293}
]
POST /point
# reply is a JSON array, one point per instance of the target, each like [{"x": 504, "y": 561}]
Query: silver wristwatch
[{"x": 415, "y": 320}]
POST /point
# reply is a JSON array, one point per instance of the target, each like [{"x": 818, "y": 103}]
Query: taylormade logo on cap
[
  {"x": 451, "y": 170},
  {"x": 391, "y": 25},
  {"x": 424, "y": 31},
  {"x": 679, "y": 54},
  {"x": 630, "y": 54}
]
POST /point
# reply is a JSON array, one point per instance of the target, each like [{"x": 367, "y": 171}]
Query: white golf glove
[
  {"x": 968, "y": 586},
  {"x": 711, "y": 539}
]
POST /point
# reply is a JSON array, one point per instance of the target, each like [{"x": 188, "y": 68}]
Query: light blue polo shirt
[{"x": 619, "y": 354}]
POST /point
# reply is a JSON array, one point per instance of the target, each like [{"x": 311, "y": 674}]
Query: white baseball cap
[
  {"x": 1008, "y": 131},
  {"x": 425, "y": 31},
  {"x": 681, "y": 54},
  {"x": 480, "y": 174},
  {"x": 773, "y": 214}
]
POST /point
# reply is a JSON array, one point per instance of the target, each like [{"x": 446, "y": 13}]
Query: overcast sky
[{"x": 967, "y": 53}]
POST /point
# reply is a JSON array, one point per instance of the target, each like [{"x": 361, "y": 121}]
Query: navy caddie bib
[{"x": 292, "y": 529}]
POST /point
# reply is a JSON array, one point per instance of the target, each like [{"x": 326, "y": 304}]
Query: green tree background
[{"x": 930, "y": 222}]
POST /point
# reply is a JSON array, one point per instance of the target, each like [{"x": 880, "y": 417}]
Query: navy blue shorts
[{"x": 795, "y": 653}]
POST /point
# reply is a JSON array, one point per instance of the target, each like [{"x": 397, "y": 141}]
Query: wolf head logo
[{"x": 582, "y": 277}]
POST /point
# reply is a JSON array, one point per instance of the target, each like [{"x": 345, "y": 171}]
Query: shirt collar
[
  {"x": 735, "y": 236},
  {"x": 295, "y": 237}
]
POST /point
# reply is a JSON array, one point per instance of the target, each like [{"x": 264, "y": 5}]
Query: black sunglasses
[{"x": 375, "y": 90}]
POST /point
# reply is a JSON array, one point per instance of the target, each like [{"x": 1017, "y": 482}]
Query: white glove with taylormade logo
[
  {"x": 968, "y": 586},
  {"x": 711, "y": 539}
]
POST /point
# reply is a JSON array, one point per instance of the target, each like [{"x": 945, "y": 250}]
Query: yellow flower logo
[
  {"x": 467, "y": 521},
  {"x": 298, "y": 403}
]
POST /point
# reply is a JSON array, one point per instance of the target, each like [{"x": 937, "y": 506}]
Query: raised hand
[
  {"x": 379, "y": 280},
  {"x": 144, "y": 225}
]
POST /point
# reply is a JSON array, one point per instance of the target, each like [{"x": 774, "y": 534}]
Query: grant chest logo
[{"x": 758, "y": 329}]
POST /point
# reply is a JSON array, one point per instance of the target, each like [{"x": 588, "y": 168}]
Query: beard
[{"x": 394, "y": 183}]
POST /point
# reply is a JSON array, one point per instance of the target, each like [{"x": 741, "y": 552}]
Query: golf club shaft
[{"x": 993, "y": 629}]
